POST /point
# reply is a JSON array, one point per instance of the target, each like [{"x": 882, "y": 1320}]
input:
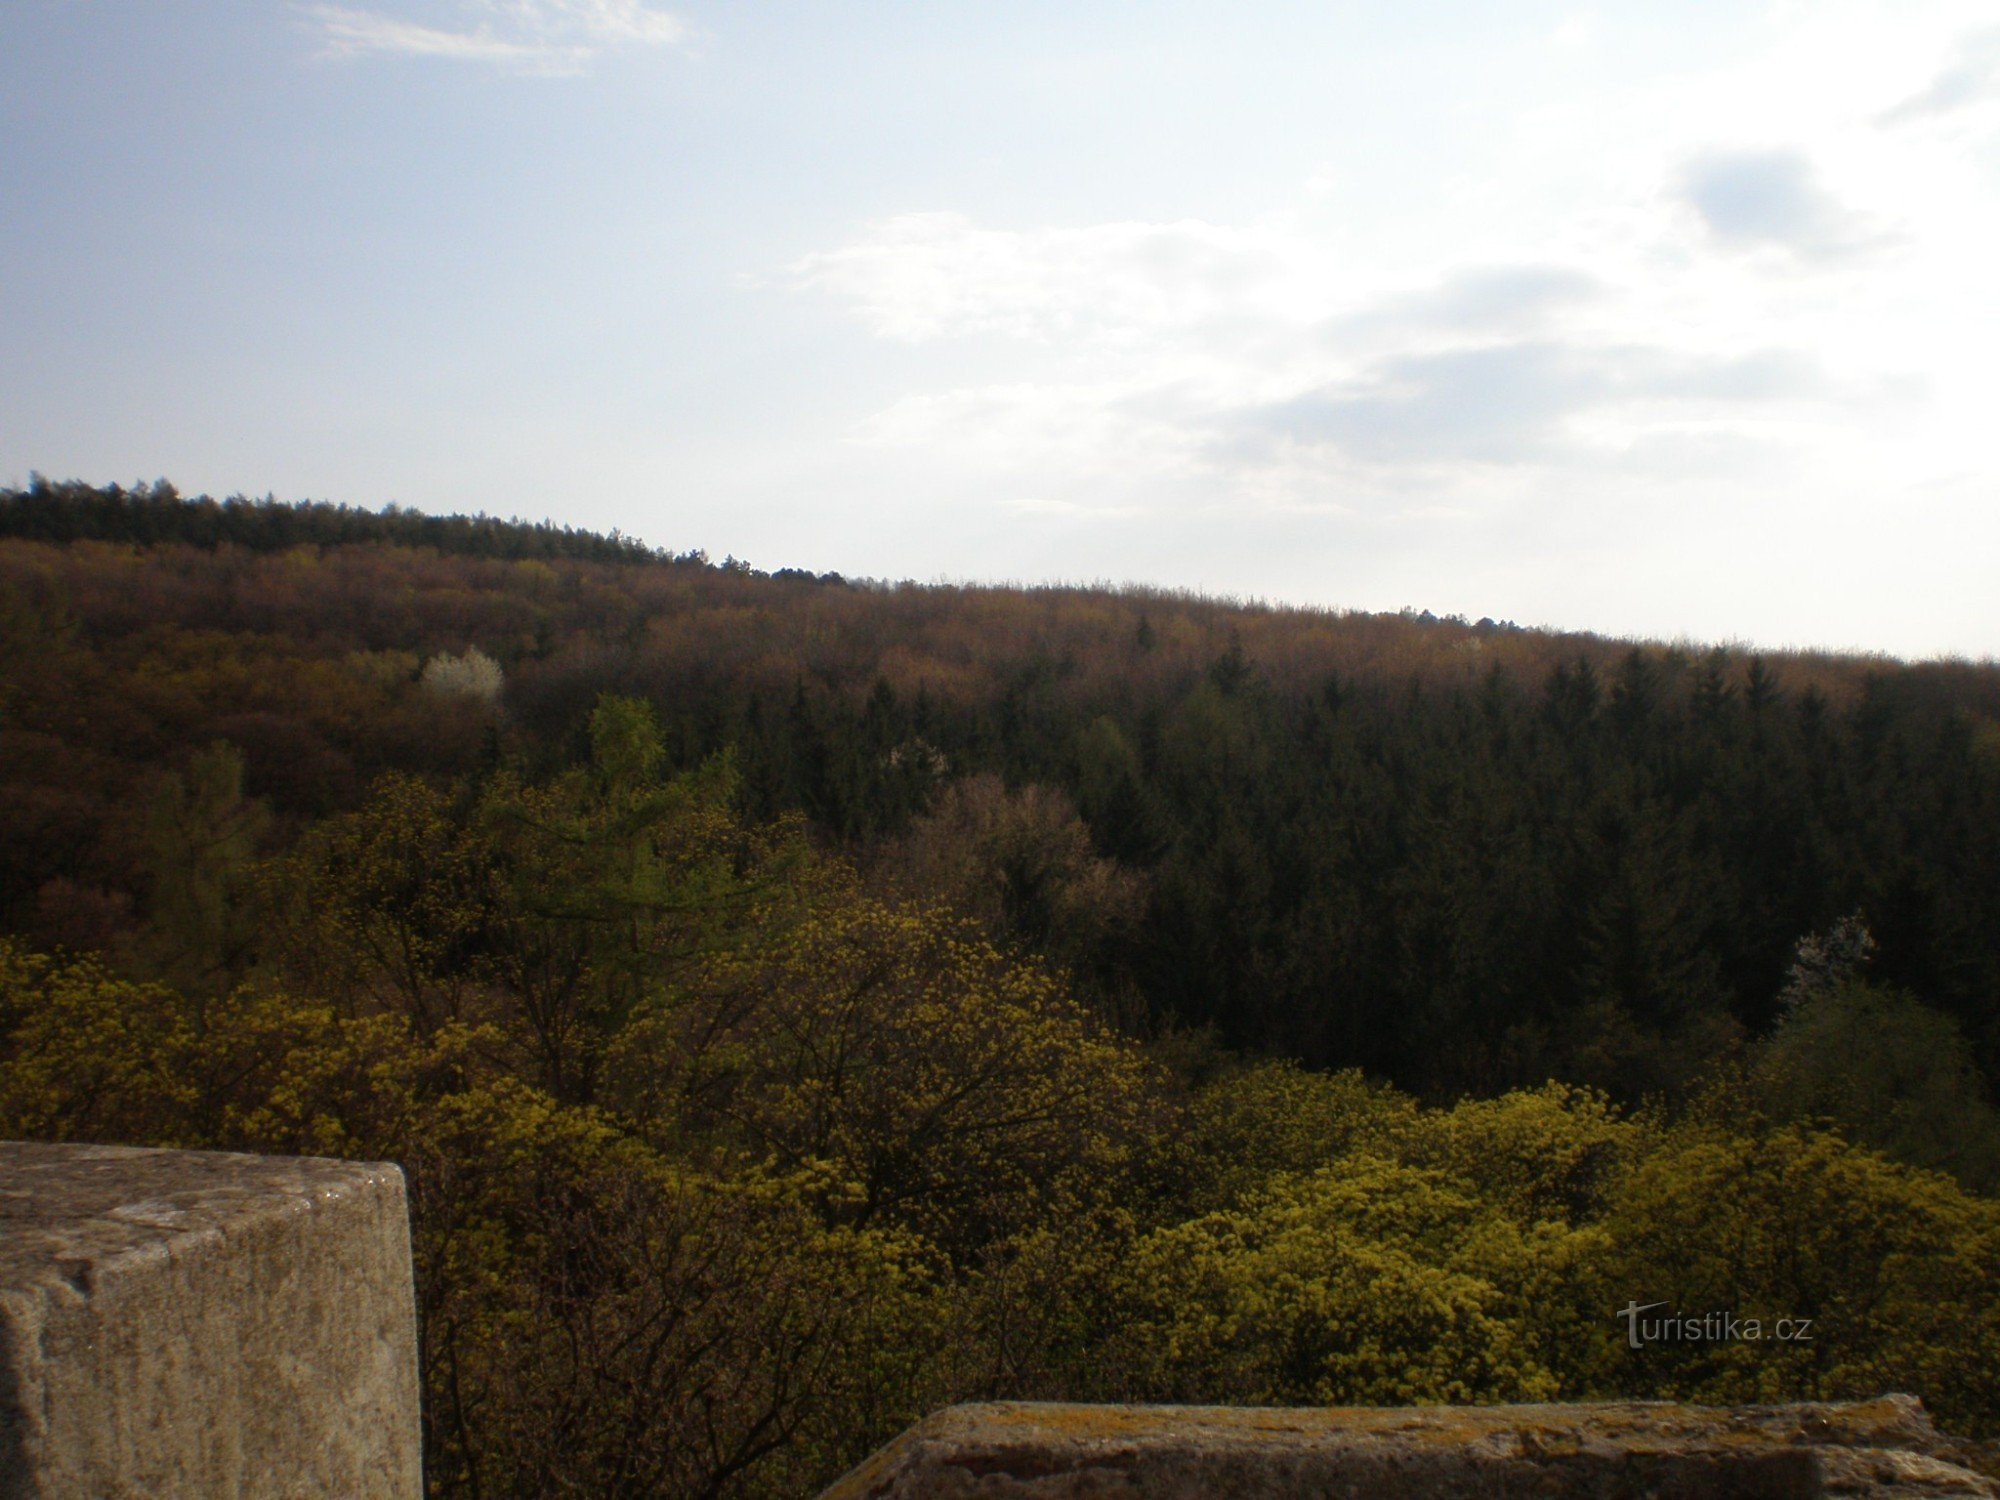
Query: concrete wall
[
  {"x": 178, "y": 1323},
  {"x": 1871, "y": 1450}
]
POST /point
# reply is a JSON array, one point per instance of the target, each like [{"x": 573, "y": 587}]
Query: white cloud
[
  {"x": 1495, "y": 299},
  {"x": 533, "y": 36},
  {"x": 1515, "y": 402},
  {"x": 926, "y": 276},
  {"x": 1250, "y": 359},
  {"x": 1971, "y": 77},
  {"x": 359, "y": 33},
  {"x": 1770, "y": 198},
  {"x": 613, "y": 20},
  {"x": 1573, "y": 35}
]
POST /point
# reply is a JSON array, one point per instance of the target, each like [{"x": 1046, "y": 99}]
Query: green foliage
[
  {"x": 893, "y": 1066},
  {"x": 90, "y": 1057},
  {"x": 1886, "y": 1071},
  {"x": 381, "y": 910},
  {"x": 1276, "y": 1119},
  {"x": 201, "y": 837},
  {"x": 600, "y": 1321},
  {"x": 1551, "y": 1154},
  {"x": 1894, "y": 1268},
  {"x": 1369, "y": 1283}
]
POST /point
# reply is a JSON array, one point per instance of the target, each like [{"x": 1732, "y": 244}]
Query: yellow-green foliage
[
  {"x": 1368, "y": 1282},
  {"x": 377, "y": 902},
  {"x": 1897, "y": 1268},
  {"x": 89, "y": 1057},
  {"x": 599, "y": 1320},
  {"x": 1277, "y": 1117},
  {"x": 894, "y": 1064},
  {"x": 1551, "y": 1153},
  {"x": 595, "y": 1315},
  {"x": 724, "y": 1169}
]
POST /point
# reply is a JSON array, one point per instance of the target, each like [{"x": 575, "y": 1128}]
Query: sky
[{"x": 1676, "y": 320}]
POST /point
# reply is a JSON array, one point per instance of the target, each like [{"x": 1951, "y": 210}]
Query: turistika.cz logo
[{"x": 1707, "y": 1328}]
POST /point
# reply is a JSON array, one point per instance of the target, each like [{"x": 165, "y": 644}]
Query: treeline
[
  {"x": 1458, "y": 856},
  {"x": 149, "y": 514}
]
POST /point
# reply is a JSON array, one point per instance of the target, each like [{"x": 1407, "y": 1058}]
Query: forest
[{"x": 799, "y": 1002}]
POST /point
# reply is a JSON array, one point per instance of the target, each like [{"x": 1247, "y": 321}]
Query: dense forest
[{"x": 800, "y": 1001}]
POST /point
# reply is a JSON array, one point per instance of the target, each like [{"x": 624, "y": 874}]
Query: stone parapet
[
  {"x": 1871, "y": 1450},
  {"x": 180, "y": 1323}
]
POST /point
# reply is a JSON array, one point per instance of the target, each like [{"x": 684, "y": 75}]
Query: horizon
[
  {"x": 1124, "y": 588},
  {"x": 1647, "y": 320}
]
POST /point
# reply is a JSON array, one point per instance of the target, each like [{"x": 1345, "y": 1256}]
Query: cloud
[
  {"x": 1972, "y": 75},
  {"x": 1766, "y": 375},
  {"x": 1478, "y": 299},
  {"x": 1181, "y": 366},
  {"x": 1759, "y": 198},
  {"x": 1510, "y": 403},
  {"x": 925, "y": 276},
  {"x": 359, "y": 33},
  {"x": 529, "y": 36},
  {"x": 1501, "y": 294},
  {"x": 1491, "y": 404}
]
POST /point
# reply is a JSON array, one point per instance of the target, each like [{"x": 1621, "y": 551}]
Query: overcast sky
[{"x": 1663, "y": 319}]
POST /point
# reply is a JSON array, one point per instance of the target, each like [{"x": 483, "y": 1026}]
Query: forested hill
[
  {"x": 798, "y": 1005},
  {"x": 151, "y": 514},
  {"x": 1461, "y": 856}
]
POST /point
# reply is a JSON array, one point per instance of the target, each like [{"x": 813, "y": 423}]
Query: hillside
[
  {"x": 798, "y": 1003},
  {"x": 1458, "y": 855}
]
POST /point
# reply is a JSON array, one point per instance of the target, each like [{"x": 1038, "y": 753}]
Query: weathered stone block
[
  {"x": 182, "y": 1323},
  {"x": 1013, "y": 1451}
]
